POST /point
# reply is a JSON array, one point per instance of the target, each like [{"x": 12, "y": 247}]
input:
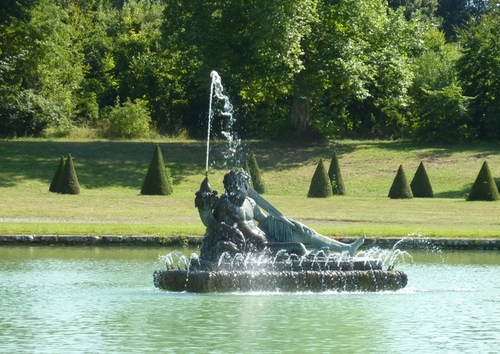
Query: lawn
[{"x": 111, "y": 176}]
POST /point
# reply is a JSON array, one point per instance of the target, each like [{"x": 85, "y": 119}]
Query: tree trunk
[{"x": 301, "y": 120}]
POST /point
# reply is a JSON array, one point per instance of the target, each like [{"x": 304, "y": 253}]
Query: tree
[
  {"x": 484, "y": 187},
  {"x": 438, "y": 106},
  {"x": 43, "y": 69},
  {"x": 57, "y": 176},
  {"x": 156, "y": 181},
  {"x": 479, "y": 71},
  {"x": 320, "y": 184},
  {"x": 58, "y": 62},
  {"x": 17, "y": 108},
  {"x": 416, "y": 8},
  {"x": 420, "y": 184},
  {"x": 70, "y": 60},
  {"x": 141, "y": 69},
  {"x": 335, "y": 176},
  {"x": 254, "y": 170},
  {"x": 358, "y": 67},
  {"x": 68, "y": 181},
  {"x": 96, "y": 23},
  {"x": 15, "y": 10},
  {"x": 457, "y": 14},
  {"x": 304, "y": 68},
  {"x": 400, "y": 188},
  {"x": 254, "y": 44},
  {"x": 129, "y": 120}
]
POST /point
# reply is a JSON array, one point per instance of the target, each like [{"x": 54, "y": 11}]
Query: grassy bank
[{"x": 111, "y": 175}]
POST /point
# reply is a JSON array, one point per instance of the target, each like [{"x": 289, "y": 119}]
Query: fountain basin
[
  {"x": 290, "y": 275},
  {"x": 204, "y": 281}
]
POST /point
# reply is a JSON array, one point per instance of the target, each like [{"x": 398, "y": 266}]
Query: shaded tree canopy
[{"x": 301, "y": 69}]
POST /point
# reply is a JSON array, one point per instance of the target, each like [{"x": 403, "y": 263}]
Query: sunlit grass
[{"x": 111, "y": 175}]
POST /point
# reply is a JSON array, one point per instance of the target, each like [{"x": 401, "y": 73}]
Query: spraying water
[{"x": 216, "y": 90}]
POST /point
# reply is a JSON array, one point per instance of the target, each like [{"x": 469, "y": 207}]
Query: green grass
[{"x": 111, "y": 176}]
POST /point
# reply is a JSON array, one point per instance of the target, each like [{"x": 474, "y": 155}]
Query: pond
[{"x": 102, "y": 300}]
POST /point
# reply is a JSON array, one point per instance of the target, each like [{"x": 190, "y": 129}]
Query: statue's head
[{"x": 237, "y": 184}]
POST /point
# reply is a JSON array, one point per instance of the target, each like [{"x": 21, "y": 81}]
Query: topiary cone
[
  {"x": 255, "y": 175},
  {"x": 484, "y": 188},
  {"x": 247, "y": 170},
  {"x": 335, "y": 176},
  {"x": 400, "y": 188},
  {"x": 156, "y": 181},
  {"x": 68, "y": 181},
  {"x": 320, "y": 183},
  {"x": 55, "y": 180},
  {"x": 420, "y": 185}
]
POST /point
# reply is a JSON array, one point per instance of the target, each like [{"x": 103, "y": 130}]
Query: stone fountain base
[
  {"x": 316, "y": 276},
  {"x": 284, "y": 281}
]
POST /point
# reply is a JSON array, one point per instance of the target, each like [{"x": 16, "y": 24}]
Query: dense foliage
[{"x": 302, "y": 69}]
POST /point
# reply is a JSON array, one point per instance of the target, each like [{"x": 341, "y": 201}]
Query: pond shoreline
[{"x": 492, "y": 244}]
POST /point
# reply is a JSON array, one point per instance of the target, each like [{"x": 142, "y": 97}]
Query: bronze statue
[{"x": 231, "y": 228}]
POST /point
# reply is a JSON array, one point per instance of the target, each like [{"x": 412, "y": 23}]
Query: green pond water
[{"x": 102, "y": 300}]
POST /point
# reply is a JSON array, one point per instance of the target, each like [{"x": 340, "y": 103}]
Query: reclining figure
[{"x": 231, "y": 228}]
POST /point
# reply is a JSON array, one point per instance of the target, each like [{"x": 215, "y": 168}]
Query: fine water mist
[{"x": 230, "y": 154}]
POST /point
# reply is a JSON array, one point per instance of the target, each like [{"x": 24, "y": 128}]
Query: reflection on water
[{"x": 78, "y": 299}]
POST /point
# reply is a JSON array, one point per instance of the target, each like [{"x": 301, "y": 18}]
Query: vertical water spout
[
  {"x": 216, "y": 90},
  {"x": 214, "y": 77}
]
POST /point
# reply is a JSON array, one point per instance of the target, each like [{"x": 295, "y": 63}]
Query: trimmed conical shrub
[
  {"x": 335, "y": 176},
  {"x": 420, "y": 184},
  {"x": 254, "y": 171},
  {"x": 68, "y": 181},
  {"x": 400, "y": 188},
  {"x": 55, "y": 180},
  {"x": 247, "y": 170},
  {"x": 484, "y": 188},
  {"x": 156, "y": 181},
  {"x": 320, "y": 183}
]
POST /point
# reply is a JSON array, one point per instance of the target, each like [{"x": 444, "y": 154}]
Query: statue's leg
[
  {"x": 321, "y": 241},
  {"x": 288, "y": 230}
]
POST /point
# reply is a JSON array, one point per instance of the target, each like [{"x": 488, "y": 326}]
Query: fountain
[{"x": 249, "y": 245}]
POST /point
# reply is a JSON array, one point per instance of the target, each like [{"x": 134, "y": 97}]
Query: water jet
[{"x": 249, "y": 245}]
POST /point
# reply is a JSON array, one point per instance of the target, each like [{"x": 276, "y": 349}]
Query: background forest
[{"x": 303, "y": 69}]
